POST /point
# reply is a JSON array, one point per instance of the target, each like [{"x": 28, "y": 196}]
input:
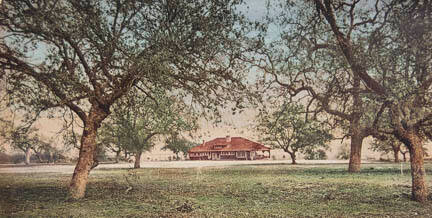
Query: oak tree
[
  {"x": 138, "y": 120},
  {"x": 301, "y": 60},
  {"x": 377, "y": 51},
  {"x": 177, "y": 143},
  {"x": 288, "y": 128},
  {"x": 386, "y": 44},
  {"x": 84, "y": 55}
]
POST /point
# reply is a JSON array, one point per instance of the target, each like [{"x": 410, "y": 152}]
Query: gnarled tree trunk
[
  {"x": 87, "y": 151},
  {"x": 137, "y": 164},
  {"x": 414, "y": 143}
]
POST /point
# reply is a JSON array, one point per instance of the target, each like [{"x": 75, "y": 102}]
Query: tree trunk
[
  {"x": 117, "y": 157},
  {"x": 396, "y": 150},
  {"x": 355, "y": 153},
  {"x": 293, "y": 157},
  {"x": 27, "y": 156},
  {"x": 87, "y": 150},
  {"x": 357, "y": 135},
  {"x": 137, "y": 164},
  {"x": 418, "y": 173},
  {"x": 39, "y": 156},
  {"x": 404, "y": 156},
  {"x": 51, "y": 157}
]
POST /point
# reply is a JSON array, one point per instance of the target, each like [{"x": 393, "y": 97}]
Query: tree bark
[
  {"x": 355, "y": 153},
  {"x": 87, "y": 151},
  {"x": 137, "y": 164},
  {"x": 418, "y": 173},
  {"x": 356, "y": 130},
  {"x": 27, "y": 156},
  {"x": 293, "y": 157}
]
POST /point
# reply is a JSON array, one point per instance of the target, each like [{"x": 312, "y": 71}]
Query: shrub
[
  {"x": 17, "y": 158},
  {"x": 5, "y": 158},
  {"x": 316, "y": 155}
]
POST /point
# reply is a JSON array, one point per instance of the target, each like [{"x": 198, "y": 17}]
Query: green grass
[{"x": 243, "y": 191}]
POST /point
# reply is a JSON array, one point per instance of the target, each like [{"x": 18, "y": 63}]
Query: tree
[
  {"x": 303, "y": 60},
  {"x": 387, "y": 44},
  {"x": 138, "y": 119},
  {"x": 177, "y": 144},
  {"x": 289, "y": 129},
  {"x": 23, "y": 138},
  {"x": 387, "y": 146},
  {"x": 319, "y": 154},
  {"x": 44, "y": 151},
  {"x": 110, "y": 139},
  {"x": 402, "y": 83},
  {"x": 84, "y": 55},
  {"x": 382, "y": 48}
]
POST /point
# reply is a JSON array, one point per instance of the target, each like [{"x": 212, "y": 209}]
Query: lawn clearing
[{"x": 240, "y": 191}]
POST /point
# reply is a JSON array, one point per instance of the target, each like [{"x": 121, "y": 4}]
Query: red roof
[{"x": 235, "y": 144}]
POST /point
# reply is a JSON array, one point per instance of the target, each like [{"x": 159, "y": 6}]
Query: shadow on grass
[{"x": 30, "y": 197}]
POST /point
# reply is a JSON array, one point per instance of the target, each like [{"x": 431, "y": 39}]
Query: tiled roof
[{"x": 236, "y": 144}]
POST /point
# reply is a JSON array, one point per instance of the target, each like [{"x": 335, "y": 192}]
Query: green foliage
[
  {"x": 83, "y": 56},
  {"x": 289, "y": 129},
  {"x": 315, "y": 155},
  {"x": 67, "y": 54},
  {"x": 178, "y": 144},
  {"x": 24, "y": 137},
  {"x": 138, "y": 119},
  {"x": 385, "y": 146}
]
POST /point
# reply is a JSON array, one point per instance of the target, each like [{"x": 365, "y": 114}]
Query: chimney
[{"x": 228, "y": 138}]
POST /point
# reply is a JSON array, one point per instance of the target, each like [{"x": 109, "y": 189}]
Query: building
[{"x": 229, "y": 148}]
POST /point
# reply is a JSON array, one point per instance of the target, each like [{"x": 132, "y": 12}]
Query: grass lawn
[{"x": 242, "y": 191}]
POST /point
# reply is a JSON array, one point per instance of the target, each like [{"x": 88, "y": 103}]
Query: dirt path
[{"x": 48, "y": 168}]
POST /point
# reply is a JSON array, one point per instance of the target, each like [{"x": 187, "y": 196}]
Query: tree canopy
[
  {"x": 84, "y": 55},
  {"x": 178, "y": 144},
  {"x": 289, "y": 129},
  {"x": 138, "y": 120}
]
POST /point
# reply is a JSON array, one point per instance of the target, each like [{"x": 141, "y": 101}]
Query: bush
[
  {"x": 5, "y": 158},
  {"x": 316, "y": 155},
  {"x": 18, "y": 158}
]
